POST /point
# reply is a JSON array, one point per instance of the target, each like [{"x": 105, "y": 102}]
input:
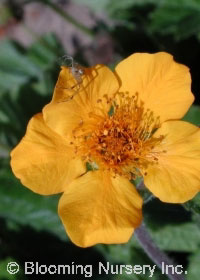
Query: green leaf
[
  {"x": 22, "y": 206},
  {"x": 193, "y": 270},
  {"x": 180, "y": 238},
  {"x": 117, "y": 6},
  {"x": 95, "y": 5},
  {"x": 171, "y": 226},
  {"x": 16, "y": 68},
  {"x": 4, "y": 275},
  {"x": 130, "y": 254},
  {"x": 9, "y": 81},
  {"x": 17, "y": 110},
  {"x": 171, "y": 17},
  {"x": 113, "y": 6},
  {"x": 193, "y": 115},
  {"x": 4, "y": 151},
  {"x": 45, "y": 51},
  {"x": 194, "y": 204},
  {"x": 46, "y": 84}
]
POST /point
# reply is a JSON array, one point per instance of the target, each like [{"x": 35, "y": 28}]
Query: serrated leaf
[
  {"x": 178, "y": 238},
  {"x": 171, "y": 226},
  {"x": 24, "y": 207}
]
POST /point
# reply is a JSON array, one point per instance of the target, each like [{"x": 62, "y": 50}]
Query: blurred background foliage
[{"x": 33, "y": 36}]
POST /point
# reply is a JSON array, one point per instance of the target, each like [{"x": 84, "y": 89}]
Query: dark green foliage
[{"x": 30, "y": 227}]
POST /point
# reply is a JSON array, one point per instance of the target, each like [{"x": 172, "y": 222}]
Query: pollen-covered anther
[
  {"x": 123, "y": 141},
  {"x": 105, "y": 132}
]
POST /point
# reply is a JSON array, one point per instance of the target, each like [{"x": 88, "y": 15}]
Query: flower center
[{"x": 122, "y": 141}]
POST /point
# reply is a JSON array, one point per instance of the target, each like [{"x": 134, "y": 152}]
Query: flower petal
[
  {"x": 97, "y": 208},
  {"x": 43, "y": 161},
  {"x": 63, "y": 115},
  {"x": 65, "y": 83},
  {"x": 162, "y": 84},
  {"x": 176, "y": 177}
]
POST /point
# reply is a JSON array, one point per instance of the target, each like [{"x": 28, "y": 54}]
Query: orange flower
[{"x": 123, "y": 124}]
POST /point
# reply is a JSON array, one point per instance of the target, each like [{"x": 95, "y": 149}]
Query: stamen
[{"x": 123, "y": 141}]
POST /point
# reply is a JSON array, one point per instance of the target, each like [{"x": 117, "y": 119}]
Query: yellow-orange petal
[
  {"x": 162, "y": 84},
  {"x": 97, "y": 208},
  {"x": 43, "y": 160},
  {"x": 64, "y": 86},
  {"x": 176, "y": 177},
  {"x": 63, "y": 115}
]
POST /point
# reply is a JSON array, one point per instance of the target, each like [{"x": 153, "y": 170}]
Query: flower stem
[
  {"x": 151, "y": 249},
  {"x": 65, "y": 15}
]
